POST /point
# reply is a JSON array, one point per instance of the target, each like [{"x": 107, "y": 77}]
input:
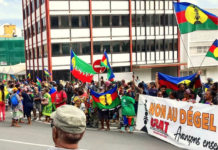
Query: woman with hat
[{"x": 17, "y": 110}]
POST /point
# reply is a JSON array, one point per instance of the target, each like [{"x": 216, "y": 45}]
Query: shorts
[
  {"x": 28, "y": 115},
  {"x": 37, "y": 106},
  {"x": 103, "y": 115}
]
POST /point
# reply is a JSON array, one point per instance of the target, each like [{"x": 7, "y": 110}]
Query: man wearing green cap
[{"x": 68, "y": 127}]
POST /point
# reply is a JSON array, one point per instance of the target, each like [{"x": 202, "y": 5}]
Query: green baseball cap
[{"x": 69, "y": 119}]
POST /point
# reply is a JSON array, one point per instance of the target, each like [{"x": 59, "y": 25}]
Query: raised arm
[{"x": 157, "y": 81}]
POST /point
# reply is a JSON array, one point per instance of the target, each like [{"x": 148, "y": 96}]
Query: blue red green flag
[
  {"x": 105, "y": 63},
  {"x": 38, "y": 79},
  {"x": 53, "y": 93},
  {"x": 213, "y": 51},
  {"x": 192, "y": 18},
  {"x": 108, "y": 100},
  {"x": 173, "y": 82}
]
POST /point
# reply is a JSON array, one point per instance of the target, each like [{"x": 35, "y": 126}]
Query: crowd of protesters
[{"x": 32, "y": 98}]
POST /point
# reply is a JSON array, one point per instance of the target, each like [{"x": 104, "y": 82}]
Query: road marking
[{"x": 41, "y": 145}]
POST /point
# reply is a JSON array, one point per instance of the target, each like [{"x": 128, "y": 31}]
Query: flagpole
[
  {"x": 202, "y": 62},
  {"x": 183, "y": 41}
]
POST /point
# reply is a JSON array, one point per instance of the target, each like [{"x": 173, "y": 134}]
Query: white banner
[{"x": 183, "y": 124}]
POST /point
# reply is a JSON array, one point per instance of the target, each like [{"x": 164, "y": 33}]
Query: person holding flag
[
  {"x": 47, "y": 73},
  {"x": 105, "y": 63}
]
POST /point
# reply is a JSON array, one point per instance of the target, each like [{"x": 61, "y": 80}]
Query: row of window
[
  {"x": 111, "y": 47},
  {"x": 115, "y": 47},
  {"x": 31, "y": 7},
  {"x": 35, "y": 29},
  {"x": 112, "y": 20}
]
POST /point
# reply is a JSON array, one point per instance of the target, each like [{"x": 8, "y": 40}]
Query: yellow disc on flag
[
  {"x": 105, "y": 101},
  {"x": 195, "y": 16},
  {"x": 73, "y": 62},
  {"x": 187, "y": 82},
  {"x": 215, "y": 52}
]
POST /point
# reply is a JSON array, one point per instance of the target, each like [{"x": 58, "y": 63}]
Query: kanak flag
[{"x": 213, "y": 51}]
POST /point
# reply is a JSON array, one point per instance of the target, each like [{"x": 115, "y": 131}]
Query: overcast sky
[{"x": 11, "y": 10}]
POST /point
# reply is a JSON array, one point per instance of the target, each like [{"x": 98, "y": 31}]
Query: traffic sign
[{"x": 97, "y": 67}]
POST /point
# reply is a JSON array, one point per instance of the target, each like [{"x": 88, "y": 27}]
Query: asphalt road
[{"x": 38, "y": 137}]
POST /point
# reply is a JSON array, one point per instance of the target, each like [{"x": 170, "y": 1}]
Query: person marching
[{"x": 128, "y": 112}]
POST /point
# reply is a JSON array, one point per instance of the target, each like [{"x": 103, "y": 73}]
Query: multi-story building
[
  {"x": 7, "y": 30},
  {"x": 194, "y": 49},
  {"x": 139, "y": 36}
]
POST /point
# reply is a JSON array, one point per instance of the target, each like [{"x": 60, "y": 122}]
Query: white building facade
[
  {"x": 139, "y": 36},
  {"x": 197, "y": 45}
]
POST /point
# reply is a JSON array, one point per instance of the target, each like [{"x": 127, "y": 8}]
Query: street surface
[{"x": 38, "y": 136}]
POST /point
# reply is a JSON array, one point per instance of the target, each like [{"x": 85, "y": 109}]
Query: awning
[
  {"x": 159, "y": 65},
  {"x": 6, "y": 69},
  {"x": 1, "y": 69},
  {"x": 17, "y": 69}
]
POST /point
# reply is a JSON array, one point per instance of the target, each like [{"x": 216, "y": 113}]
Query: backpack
[{"x": 14, "y": 100}]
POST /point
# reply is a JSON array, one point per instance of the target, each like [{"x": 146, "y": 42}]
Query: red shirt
[{"x": 59, "y": 98}]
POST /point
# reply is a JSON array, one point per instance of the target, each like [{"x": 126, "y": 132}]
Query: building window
[
  {"x": 138, "y": 19},
  {"x": 24, "y": 13},
  {"x": 75, "y": 21},
  {"x": 33, "y": 30},
  {"x": 29, "y": 32},
  {"x": 141, "y": 46},
  {"x": 175, "y": 44},
  {"x": 64, "y": 21},
  {"x": 38, "y": 27},
  {"x": 37, "y": 3},
  {"x": 96, "y": 21},
  {"x": 55, "y": 49},
  {"x": 152, "y": 17},
  {"x": 107, "y": 46},
  {"x": 85, "y": 21},
  {"x": 35, "y": 53},
  {"x": 115, "y": 21},
  {"x": 43, "y": 24},
  {"x": 162, "y": 20},
  {"x": 125, "y": 20},
  {"x": 32, "y": 6},
  {"x": 157, "y": 20},
  {"x": 25, "y": 34},
  {"x": 166, "y": 20},
  {"x": 125, "y": 46},
  {"x": 66, "y": 49},
  {"x": 45, "y": 50},
  {"x": 54, "y": 22},
  {"x": 28, "y": 10},
  {"x": 97, "y": 47},
  {"x": 171, "y": 19},
  {"x": 116, "y": 47},
  {"x": 40, "y": 51},
  {"x": 169, "y": 44},
  {"x": 148, "y": 20},
  {"x": 105, "y": 21},
  {"x": 42, "y": 2},
  {"x": 86, "y": 48},
  {"x": 30, "y": 54},
  {"x": 152, "y": 45},
  {"x": 76, "y": 48}
]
